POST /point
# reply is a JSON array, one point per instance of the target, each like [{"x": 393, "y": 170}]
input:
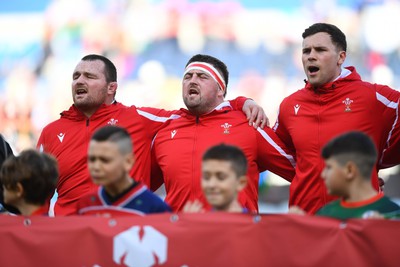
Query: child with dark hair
[
  {"x": 110, "y": 159},
  {"x": 349, "y": 162},
  {"x": 224, "y": 169},
  {"x": 29, "y": 181}
]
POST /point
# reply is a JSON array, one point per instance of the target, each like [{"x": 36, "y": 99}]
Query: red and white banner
[{"x": 192, "y": 240}]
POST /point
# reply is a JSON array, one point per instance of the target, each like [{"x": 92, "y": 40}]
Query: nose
[
  {"x": 194, "y": 78},
  {"x": 211, "y": 183},
  {"x": 311, "y": 55},
  {"x": 94, "y": 165},
  {"x": 79, "y": 80}
]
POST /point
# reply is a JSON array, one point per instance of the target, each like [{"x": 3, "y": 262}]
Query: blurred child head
[
  {"x": 349, "y": 157},
  {"x": 110, "y": 156},
  {"x": 224, "y": 169},
  {"x": 31, "y": 177}
]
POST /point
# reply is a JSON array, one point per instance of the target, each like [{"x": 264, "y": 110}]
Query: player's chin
[
  {"x": 79, "y": 98},
  {"x": 98, "y": 181},
  {"x": 214, "y": 200}
]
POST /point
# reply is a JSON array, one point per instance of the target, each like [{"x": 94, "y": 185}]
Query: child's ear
[
  {"x": 19, "y": 190},
  {"x": 351, "y": 170},
  {"x": 242, "y": 183},
  {"x": 129, "y": 161}
]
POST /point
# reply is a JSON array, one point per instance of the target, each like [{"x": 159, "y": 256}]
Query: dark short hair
[
  {"x": 114, "y": 134},
  {"x": 229, "y": 153},
  {"x": 36, "y": 171},
  {"x": 216, "y": 63},
  {"x": 110, "y": 70},
  {"x": 353, "y": 146},
  {"x": 337, "y": 36}
]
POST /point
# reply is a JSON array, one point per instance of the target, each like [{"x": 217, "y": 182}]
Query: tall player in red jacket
[
  {"x": 94, "y": 85},
  {"x": 207, "y": 121},
  {"x": 333, "y": 101}
]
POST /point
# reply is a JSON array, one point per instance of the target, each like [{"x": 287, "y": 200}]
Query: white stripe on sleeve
[
  {"x": 277, "y": 147},
  {"x": 385, "y": 101},
  {"x": 391, "y": 131},
  {"x": 156, "y": 118}
]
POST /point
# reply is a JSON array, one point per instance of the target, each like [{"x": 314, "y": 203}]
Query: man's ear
[
  {"x": 342, "y": 57},
  {"x": 112, "y": 88},
  {"x": 221, "y": 91}
]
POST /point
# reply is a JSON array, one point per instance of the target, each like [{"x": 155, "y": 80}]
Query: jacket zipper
[{"x": 195, "y": 148}]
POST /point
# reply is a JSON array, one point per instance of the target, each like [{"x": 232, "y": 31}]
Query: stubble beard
[
  {"x": 193, "y": 104},
  {"x": 91, "y": 102},
  {"x": 87, "y": 105}
]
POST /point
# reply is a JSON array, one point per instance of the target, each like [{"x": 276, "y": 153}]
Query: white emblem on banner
[{"x": 136, "y": 248}]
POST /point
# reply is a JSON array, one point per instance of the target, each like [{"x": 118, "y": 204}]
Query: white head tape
[{"x": 209, "y": 69}]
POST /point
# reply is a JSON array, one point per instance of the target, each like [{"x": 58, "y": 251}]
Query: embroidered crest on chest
[
  {"x": 112, "y": 121},
  {"x": 347, "y": 102},
  {"x": 226, "y": 127}
]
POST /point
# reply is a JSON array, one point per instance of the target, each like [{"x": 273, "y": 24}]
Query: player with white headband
[
  {"x": 204, "y": 86},
  {"x": 209, "y": 69},
  {"x": 210, "y": 120}
]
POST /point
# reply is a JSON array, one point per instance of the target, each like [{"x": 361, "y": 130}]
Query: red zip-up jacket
[
  {"x": 68, "y": 137},
  {"x": 178, "y": 149},
  {"x": 309, "y": 118}
]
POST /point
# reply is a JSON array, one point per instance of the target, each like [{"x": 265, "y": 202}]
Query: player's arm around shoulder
[
  {"x": 154, "y": 118},
  {"x": 274, "y": 155},
  {"x": 388, "y": 92}
]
